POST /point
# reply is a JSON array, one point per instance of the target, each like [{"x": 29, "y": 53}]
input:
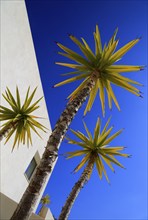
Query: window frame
[{"x": 33, "y": 170}]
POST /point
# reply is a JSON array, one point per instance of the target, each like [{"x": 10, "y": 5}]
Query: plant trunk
[
  {"x": 75, "y": 191},
  {"x": 5, "y": 131},
  {"x": 30, "y": 196}
]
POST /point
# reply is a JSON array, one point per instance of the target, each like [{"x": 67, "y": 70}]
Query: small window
[{"x": 30, "y": 169}]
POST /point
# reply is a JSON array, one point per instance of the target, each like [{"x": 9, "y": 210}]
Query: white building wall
[{"x": 19, "y": 67}]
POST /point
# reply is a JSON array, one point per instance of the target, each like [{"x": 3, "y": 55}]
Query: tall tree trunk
[
  {"x": 5, "y": 131},
  {"x": 30, "y": 196},
  {"x": 75, "y": 190}
]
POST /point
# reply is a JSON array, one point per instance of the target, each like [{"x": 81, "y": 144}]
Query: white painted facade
[{"x": 18, "y": 67}]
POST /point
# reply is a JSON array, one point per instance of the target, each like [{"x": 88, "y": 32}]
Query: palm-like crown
[
  {"x": 97, "y": 148},
  {"x": 45, "y": 200},
  {"x": 20, "y": 117},
  {"x": 100, "y": 63}
]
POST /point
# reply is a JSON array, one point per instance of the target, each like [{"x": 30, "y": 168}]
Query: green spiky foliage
[
  {"x": 102, "y": 64},
  {"x": 19, "y": 117},
  {"x": 45, "y": 200},
  {"x": 97, "y": 148}
]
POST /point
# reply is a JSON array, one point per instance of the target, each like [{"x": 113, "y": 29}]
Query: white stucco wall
[
  {"x": 46, "y": 214},
  {"x": 6, "y": 211},
  {"x": 19, "y": 67}
]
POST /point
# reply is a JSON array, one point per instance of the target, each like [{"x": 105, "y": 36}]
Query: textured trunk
[
  {"x": 75, "y": 191},
  {"x": 29, "y": 199},
  {"x": 4, "y": 132}
]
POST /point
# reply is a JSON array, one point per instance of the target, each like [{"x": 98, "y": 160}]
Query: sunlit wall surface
[{"x": 18, "y": 67}]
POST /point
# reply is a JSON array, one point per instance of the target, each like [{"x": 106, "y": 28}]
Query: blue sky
[{"x": 51, "y": 21}]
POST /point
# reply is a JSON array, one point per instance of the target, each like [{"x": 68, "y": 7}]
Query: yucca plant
[
  {"x": 19, "y": 118},
  {"x": 45, "y": 200},
  {"x": 95, "y": 150},
  {"x": 98, "y": 72},
  {"x": 100, "y": 68}
]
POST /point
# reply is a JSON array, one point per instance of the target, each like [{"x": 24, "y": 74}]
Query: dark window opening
[{"x": 30, "y": 169}]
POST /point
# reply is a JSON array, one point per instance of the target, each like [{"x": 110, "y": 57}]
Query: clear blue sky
[{"x": 50, "y": 21}]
